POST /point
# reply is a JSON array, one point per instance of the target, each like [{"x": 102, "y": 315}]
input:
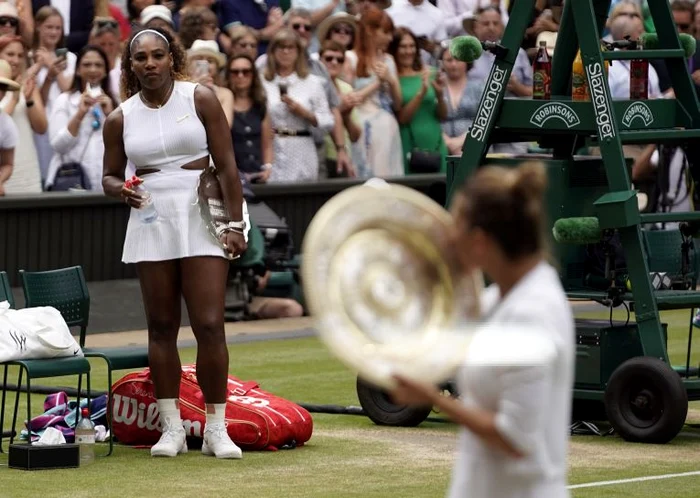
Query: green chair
[
  {"x": 37, "y": 369},
  {"x": 66, "y": 290}
]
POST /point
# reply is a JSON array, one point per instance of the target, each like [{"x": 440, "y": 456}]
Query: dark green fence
[{"x": 55, "y": 230}]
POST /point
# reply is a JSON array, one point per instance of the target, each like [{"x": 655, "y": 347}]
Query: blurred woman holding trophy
[{"x": 514, "y": 419}]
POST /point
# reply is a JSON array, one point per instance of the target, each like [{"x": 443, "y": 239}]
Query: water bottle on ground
[
  {"x": 85, "y": 438},
  {"x": 147, "y": 212}
]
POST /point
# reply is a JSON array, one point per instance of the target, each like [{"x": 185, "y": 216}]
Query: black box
[{"x": 33, "y": 457}]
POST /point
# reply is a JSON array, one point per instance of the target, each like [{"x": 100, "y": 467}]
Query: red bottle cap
[
  {"x": 132, "y": 182},
  {"x": 85, "y": 412}
]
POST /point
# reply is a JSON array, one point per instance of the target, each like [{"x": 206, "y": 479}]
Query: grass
[{"x": 348, "y": 455}]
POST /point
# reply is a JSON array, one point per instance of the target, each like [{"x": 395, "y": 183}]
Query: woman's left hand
[
  {"x": 234, "y": 242},
  {"x": 106, "y": 103},
  {"x": 28, "y": 88},
  {"x": 439, "y": 84},
  {"x": 411, "y": 392}
]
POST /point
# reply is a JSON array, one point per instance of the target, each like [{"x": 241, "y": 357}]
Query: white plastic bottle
[
  {"x": 147, "y": 212},
  {"x": 85, "y": 438}
]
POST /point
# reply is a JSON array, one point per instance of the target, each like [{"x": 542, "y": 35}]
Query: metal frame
[{"x": 569, "y": 123}]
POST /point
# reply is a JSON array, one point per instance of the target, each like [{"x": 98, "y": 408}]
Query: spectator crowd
[{"x": 311, "y": 89}]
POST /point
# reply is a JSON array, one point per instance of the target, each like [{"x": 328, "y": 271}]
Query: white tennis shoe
[
  {"x": 172, "y": 441},
  {"x": 218, "y": 443}
]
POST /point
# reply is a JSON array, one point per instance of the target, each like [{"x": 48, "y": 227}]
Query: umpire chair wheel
[
  {"x": 378, "y": 406},
  {"x": 645, "y": 401}
]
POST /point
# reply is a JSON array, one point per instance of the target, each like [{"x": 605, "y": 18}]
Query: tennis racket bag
[{"x": 256, "y": 419}]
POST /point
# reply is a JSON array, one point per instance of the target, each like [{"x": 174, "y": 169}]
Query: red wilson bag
[{"x": 256, "y": 419}]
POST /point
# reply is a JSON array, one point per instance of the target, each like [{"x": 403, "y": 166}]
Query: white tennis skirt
[{"x": 179, "y": 231}]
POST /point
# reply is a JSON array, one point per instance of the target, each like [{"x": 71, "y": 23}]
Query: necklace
[{"x": 158, "y": 106}]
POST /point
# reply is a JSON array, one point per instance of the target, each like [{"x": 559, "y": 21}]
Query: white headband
[{"x": 152, "y": 31}]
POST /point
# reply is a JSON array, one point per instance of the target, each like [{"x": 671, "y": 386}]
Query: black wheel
[
  {"x": 645, "y": 401},
  {"x": 379, "y": 408}
]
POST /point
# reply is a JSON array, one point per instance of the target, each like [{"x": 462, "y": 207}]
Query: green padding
[
  {"x": 281, "y": 279},
  {"x": 121, "y": 358},
  {"x": 256, "y": 248},
  {"x": 584, "y": 230},
  {"x": 54, "y": 367}
]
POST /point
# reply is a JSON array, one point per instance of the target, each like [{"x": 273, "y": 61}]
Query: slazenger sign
[
  {"x": 638, "y": 110},
  {"x": 555, "y": 110},
  {"x": 601, "y": 103},
  {"x": 485, "y": 114}
]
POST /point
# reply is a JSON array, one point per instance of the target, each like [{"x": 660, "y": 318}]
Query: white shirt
[
  {"x": 532, "y": 404},
  {"x": 87, "y": 148},
  {"x": 456, "y": 11},
  {"x": 619, "y": 81},
  {"x": 8, "y": 132},
  {"x": 63, "y": 6},
  {"x": 423, "y": 20}
]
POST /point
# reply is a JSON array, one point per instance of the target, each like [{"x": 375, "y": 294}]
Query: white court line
[{"x": 635, "y": 479}]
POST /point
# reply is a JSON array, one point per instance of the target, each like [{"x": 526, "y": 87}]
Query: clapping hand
[{"x": 29, "y": 87}]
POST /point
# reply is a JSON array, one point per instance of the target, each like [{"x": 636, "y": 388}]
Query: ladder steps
[
  {"x": 655, "y": 136},
  {"x": 668, "y": 53}
]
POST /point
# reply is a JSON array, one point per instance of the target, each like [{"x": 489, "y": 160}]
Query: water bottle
[
  {"x": 147, "y": 212},
  {"x": 85, "y": 438}
]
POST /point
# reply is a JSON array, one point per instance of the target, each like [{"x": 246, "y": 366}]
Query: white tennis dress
[{"x": 166, "y": 139}]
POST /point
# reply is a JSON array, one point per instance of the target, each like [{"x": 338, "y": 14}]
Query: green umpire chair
[
  {"x": 66, "y": 290},
  {"x": 38, "y": 369}
]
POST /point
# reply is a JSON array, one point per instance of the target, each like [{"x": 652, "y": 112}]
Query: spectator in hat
[
  {"x": 207, "y": 51},
  {"x": 340, "y": 28},
  {"x": 320, "y": 11},
  {"x": 157, "y": 16},
  {"x": 8, "y": 130},
  {"x": 15, "y": 22}
]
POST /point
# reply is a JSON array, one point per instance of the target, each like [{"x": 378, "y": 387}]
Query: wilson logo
[
  {"x": 637, "y": 110},
  {"x": 556, "y": 110},
  {"x": 129, "y": 411}
]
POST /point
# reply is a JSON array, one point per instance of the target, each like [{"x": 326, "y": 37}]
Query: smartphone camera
[
  {"x": 283, "y": 89},
  {"x": 61, "y": 52}
]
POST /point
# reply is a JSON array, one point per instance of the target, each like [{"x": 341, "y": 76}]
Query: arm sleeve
[
  {"x": 321, "y": 109},
  {"x": 8, "y": 132},
  {"x": 61, "y": 140}
]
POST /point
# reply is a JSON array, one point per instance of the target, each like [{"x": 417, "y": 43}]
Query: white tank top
[{"x": 164, "y": 138}]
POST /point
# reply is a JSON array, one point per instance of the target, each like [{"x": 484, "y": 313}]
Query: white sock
[
  {"x": 170, "y": 409},
  {"x": 217, "y": 417}
]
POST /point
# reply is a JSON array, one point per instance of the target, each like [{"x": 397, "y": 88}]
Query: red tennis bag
[{"x": 256, "y": 419}]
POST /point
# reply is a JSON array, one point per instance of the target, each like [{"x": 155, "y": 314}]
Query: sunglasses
[
  {"x": 286, "y": 47},
  {"x": 683, "y": 26},
  {"x": 241, "y": 72},
  {"x": 342, "y": 30},
  {"x": 333, "y": 58},
  {"x": 106, "y": 23},
  {"x": 248, "y": 45},
  {"x": 297, "y": 26},
  {"x": 9, "y": 21}
]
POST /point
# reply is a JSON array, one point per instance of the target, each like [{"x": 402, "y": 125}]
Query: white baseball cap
[{"x": 156, "y": 12}]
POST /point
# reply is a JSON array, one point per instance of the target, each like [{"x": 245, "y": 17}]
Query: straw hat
[
  {"x": 209, "y": 48},
  {"x": 6, "y": 77},
  {"x": 330, "y": 21}
]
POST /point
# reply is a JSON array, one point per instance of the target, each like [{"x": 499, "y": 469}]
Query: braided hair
[{"x": 129, "y": 84}]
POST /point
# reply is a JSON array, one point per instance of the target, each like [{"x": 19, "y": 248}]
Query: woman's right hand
[
  {"x": 86, "y": 102},
  {"x": 57, "y": 66},
  {"x": 425, "y": 79},
  {"x": 131, "y": 197}
]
